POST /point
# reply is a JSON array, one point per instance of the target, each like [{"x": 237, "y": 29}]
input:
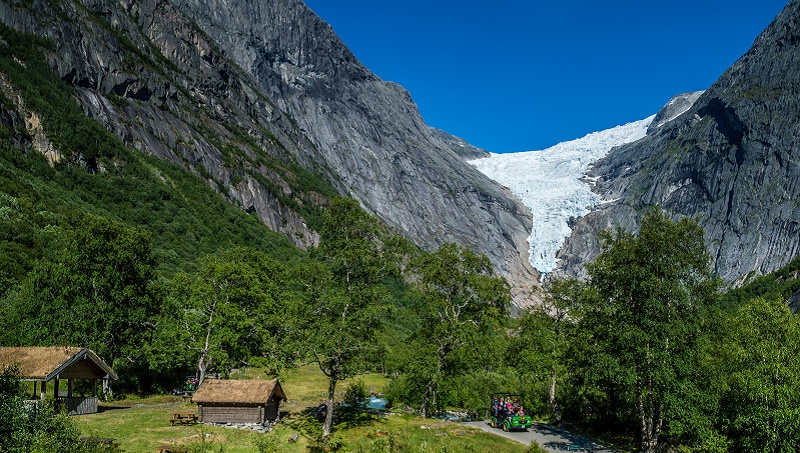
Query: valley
[{"x": 191, "y": 189}]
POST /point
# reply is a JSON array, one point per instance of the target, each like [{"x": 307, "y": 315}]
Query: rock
[
  {"x": 370, "y": 133},
  {"x": 459, "y": 146},
  {"x": 246, "y": 94},
  {"x": 257, "y": 427},
  {"x": 732, "y": 161}
]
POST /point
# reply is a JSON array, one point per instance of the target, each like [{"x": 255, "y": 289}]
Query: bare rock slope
[
  {"x": 256, "y": 95},
  {"x": 732, "y": 161}
]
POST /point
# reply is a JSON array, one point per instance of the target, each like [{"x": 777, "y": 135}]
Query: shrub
[{"x": 356, "y": 394}]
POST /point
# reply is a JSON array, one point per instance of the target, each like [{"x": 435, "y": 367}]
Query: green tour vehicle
[{"x": 510, "y": 414}]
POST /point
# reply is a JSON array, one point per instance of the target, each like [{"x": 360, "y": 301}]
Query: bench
[
  {"x": 183, "y": 418},
  {"x": 182, "y": 421},
  {"x": 187, "y": 394}
]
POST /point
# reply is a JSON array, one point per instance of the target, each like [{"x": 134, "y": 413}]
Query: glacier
[{"x": 552, "y": 183}]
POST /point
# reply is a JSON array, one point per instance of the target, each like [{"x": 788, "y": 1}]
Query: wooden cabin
[
  {"x": 244, "y": 401},
  {"x": 44, "y": 364}
]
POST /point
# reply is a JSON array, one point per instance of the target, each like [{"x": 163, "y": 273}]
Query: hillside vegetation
[{"x": 160, "y": 275}]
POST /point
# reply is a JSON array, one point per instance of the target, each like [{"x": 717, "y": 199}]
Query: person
[
  {"x": 509, "y": 408},
  {"x": 495, "y": 407},
  {"x": 502, "y": 407},
  {"x": 515, "y": 404},
  {"x": 520, "y": 411}
]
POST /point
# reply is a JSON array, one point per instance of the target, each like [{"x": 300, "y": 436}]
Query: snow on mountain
[{"x": 551, "y": 183}]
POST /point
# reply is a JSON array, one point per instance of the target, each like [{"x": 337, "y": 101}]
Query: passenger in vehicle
[{"x": 496, "y": 407}]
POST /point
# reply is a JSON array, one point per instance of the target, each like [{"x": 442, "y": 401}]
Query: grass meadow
[{"x": 142, "y": 424}]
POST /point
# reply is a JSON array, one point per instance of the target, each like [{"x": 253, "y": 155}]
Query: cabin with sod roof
[
  {"x": 241, "y": 401},
  {"x": 43, "y": 364}
]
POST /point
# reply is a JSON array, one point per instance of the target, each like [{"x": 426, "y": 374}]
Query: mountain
[
  {"x": 732, "y": 161},
  {"x": 551, "y": 182},
  {"x": 262, "y": 100},
  {"x": 460, "y": 146}
]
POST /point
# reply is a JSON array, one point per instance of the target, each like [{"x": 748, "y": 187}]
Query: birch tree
[
  {"x": 458, "y": 300},
  {"x": 540, "y": 346},
  {"x": 337, "y": 317},
  {"x": 643, "y": 319},
  {"x": 760, "y": 361},
  {"x": 229, "y": 312}
]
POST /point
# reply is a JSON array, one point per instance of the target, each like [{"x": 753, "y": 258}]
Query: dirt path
[{"x": 551, "y": 438}]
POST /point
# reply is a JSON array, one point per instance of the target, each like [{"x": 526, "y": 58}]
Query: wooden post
[
  {"x": 94, "y": 388},
  {"x": 44, "y": 390},
  {"x": 35, "y": 385},
  {"x": 55, "y": 395},
  {"x": 69, "y": 388}
]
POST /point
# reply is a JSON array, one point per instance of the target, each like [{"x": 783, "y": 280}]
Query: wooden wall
[
  {"x": 78, "y": 405},
  {"x": 272, "y": 409},
  {"x": 82, "y": 369},
  {"x": 230, "y": 414}
]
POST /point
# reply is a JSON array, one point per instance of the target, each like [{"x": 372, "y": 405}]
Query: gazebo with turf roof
[{"x": 43, "y": 364}]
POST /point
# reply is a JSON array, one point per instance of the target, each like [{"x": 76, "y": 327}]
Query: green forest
[{"x": 649, "y": 353}]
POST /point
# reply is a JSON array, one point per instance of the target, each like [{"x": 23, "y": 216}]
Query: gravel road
[{"x": 551, "y": 438}]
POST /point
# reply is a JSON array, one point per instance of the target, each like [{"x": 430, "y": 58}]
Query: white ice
[{"x": 549, "y": 183}]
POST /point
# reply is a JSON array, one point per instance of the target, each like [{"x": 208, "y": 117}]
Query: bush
[
  {"x": 267, "y": 443},
  {"x": 356, "y": 394},
  {"x": 37, "y": 429},
  {"x": 535, "y": 448}
]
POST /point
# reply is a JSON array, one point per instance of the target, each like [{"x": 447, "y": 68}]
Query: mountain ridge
[
  {"x": 258, "y": 111},
  {"x": 371, "y": 132},
  {"x": 730, "y": 161}
]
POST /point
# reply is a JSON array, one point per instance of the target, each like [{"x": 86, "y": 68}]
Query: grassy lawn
[{"x": 141, "y": 425}]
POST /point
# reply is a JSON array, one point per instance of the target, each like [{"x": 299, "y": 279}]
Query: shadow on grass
[
  {"x": 349, "y": 417},
  {"x": 101, "y": 408},
  {"x": 309, "y": 422}
]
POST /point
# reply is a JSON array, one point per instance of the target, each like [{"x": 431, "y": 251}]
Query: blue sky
[{"x": 515, "y": 75}]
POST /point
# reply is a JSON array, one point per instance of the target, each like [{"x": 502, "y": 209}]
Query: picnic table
[
  {"x": 187, "y": 394},
  {"x": 183, "y": 418}
]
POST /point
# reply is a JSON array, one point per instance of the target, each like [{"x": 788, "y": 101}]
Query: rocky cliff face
[
  {"x": 254, "y": 94},
  {"x": 732, "y": 161},
  {"x": 460, "y": 146},
  {"x": 368, "y": 132}
]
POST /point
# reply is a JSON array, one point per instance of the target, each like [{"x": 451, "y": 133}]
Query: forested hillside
[{"x": 267, "y": 106}]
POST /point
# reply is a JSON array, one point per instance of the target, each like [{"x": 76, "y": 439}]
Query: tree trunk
[
  {"x": 553, "y": 401},
  {"x": 429, "y": 398},
  {"x": 426, "y": 400},
  {"x": 107, "y": 391},
  {"x": 327, "y": 426},
  {"x": 202, "y": 366},
  {"x": 650, "y": 417}
]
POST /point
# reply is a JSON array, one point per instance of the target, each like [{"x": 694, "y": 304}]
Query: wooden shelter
[
  {"x": 43, "y": 364},
  {"x": 243, "y": 401}
]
